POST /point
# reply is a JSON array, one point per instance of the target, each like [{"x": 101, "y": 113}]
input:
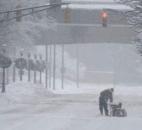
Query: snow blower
[{"x": 117, "y": 110}]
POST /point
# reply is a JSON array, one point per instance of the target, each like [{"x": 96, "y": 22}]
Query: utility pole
[
  {"x": 3, "y": 80},
  {"x": 35, "y": 69},
  {"x": 7, "y": 75},
  {"x": 77, "y": 66},
  {"x": 63, "y": 66},
  {"x": 46, "y": 70},
  {"x": 14, "y": 67},
  {"x": 114, "y": 68},
  {"x": 21, "y": 68},
  {"x": 40, "y": 71},
  {"x": 50, "y": 65},
  {"x": 54, "y": 66},
  {"x": 14, "y": 73},
  {"x": 29, "y": 67}
]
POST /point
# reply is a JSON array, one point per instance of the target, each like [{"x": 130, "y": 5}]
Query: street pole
[
  {"x": 29, "y": 68},
  {"x": 7, "y": 76},
  {"x": 21, "y": 70},
  {"x": 14, "y": 67},
  {"x": 46, "y": 70},
  {"x": 21, "y": 74},
  {"x": 40, "y": 81},
  {"x": 14, "y": 73},
  {"x": 50, "y": 65},
  {"x": 114, "y": 69},
  {"x": 35, "y": 74},
  {"x": 77, "y": 65},
  {"x": 3, "y": 81},
  {"x": 29, "y": 74},
  {"x": 54, "y": 67},
  {"x": 63, "y": 67}
]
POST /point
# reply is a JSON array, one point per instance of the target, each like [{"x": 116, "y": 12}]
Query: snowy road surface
[{"x": 66, "y": 112}]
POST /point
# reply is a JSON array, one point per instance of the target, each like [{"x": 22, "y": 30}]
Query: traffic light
[
  {"x": 67, "y": 13},
  {"x": 104, "y": 18},
  {"x": 18, "y": 13}
]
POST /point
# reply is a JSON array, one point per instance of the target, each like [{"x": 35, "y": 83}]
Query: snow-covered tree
[
  {"x": 135, "y": 15},
  {"x": 31, "y": 30},
  {"x": 135, "y": 18},
  {"x": 23, "y": 34}
]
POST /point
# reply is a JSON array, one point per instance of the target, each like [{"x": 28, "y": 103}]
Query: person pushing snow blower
[
  {"x": 116, "y": 110},
  {"x": 105, "y": 96}
]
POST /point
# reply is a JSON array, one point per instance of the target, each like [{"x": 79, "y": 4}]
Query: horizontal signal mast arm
[{"x": 34, "y": 7}]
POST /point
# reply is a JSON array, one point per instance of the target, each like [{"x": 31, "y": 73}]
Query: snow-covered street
[
  {"x": 69, "y": 111},
  {"x": 70, "y": 65}
]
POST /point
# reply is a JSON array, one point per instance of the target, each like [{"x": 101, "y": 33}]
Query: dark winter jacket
[{"x": 106, "y": 95}]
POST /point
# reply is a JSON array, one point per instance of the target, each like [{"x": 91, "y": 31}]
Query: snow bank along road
[{"x": 69, "y": 112}]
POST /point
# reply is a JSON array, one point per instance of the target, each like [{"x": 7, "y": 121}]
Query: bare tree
[{"x": 134, "y": 17}]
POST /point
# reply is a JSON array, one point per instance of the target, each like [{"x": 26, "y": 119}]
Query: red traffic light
[
  {"x": 104, "y": 17},
  {"x": 104, "y": 14}
]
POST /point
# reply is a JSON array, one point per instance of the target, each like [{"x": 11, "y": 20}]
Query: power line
[{"x": 32, "y": 9}]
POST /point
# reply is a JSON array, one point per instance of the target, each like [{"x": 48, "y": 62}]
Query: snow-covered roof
[
  {"x": 96, "y": 5},
  {"x": 88, "y": 0},
  {"x": 99, "y": 6}
]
